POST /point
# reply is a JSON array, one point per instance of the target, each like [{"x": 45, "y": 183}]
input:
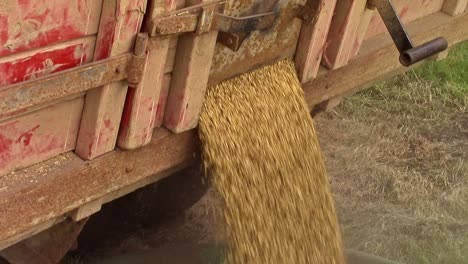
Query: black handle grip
[{"x": 426, "y": 50}]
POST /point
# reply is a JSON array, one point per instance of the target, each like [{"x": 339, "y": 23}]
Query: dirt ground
[{"x": 397, "y": 159}]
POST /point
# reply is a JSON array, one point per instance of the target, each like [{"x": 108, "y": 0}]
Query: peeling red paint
[
  {"x": 42, "y": 63},
  {"x": 90, "y": 147},
  {"x": 103, "y": 138},
  {"x": 161, "y": 109},
  {"x": 127, "y": 113},
  {"x": 170, "y": 4},
  {"x": 49, "y": 145},
  {"x": 104, "y": 44},
  {"x": 34, "y": 137},
  {"x": 404, "y": 11},
  {"x": 26, "y": 137},
  {"x": 33, "y": 24},
  {"x": 5, "y": 145},
  {"x": 107, "y": 123}
]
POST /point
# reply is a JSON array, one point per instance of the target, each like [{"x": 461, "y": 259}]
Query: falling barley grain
[{"x": 261, "y": 149}]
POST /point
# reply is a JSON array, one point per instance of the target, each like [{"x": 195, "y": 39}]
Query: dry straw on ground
[{"x": 261, "y": 149}]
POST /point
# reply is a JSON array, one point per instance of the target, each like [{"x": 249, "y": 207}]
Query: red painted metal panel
[
  {"x": 40, "y": 37},
  {"x": 30, "y": 24},
  {"x": 33, "y": 64},
  {"x": 120, "y": 23}
]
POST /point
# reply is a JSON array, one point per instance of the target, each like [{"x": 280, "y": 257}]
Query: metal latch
[
  {"x": 409, "y": 54},
  {"x": 203, "y": 18}
]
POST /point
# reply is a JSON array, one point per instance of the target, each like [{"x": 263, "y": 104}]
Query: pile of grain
[{"x": 260, "y": 147}]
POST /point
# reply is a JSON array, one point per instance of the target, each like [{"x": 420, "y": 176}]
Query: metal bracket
[
  {"x": 20, "y": 97},
  {"x": 409, "y": 54},
  {"x": 203, "y": 18},
  {"x": 137, "y": 65}
]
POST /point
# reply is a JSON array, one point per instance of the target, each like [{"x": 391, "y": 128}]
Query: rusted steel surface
[
  {"x": 19, "y": 97},
  {"x": 186, "y": 19},
  {"x": 260, "y": 47},
  {"x": 43, "y": 192},
  {"x": 136, "y": 69},
  {"x": 176, "y": 25}
]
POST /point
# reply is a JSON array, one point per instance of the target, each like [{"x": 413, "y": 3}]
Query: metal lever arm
[
  {"x": 409, "y": 54},
  {"x": 209, "y": 16}
]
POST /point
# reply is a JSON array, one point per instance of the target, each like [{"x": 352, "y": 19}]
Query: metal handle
[{"x": 409, "y": 54}]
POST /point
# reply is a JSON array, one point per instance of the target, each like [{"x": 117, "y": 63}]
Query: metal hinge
[
  {"x": 409, "y": 54},
  {"x": 24, "y": 96}
]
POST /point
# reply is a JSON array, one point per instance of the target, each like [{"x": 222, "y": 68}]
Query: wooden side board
[
  {"x": 146, "y": 102},
  {"x": 120, "y": 23},
  {"x": 379, "y": 58},
  {"x": 38, "y": 38},
  {"x": 26, "y": 25},
  {"x": 311, "y": 42},
  {"x": 59, "y": 186},
  {"x": 36, "y": 63},
  {"x": 189, "y": 79},
  {"x": 455, "y": 7},
  {"x": 353, "y": 23},
  {"x": 408, "y": 11},
  {"x": 343, "y": 31},
  {"x": 41, "y": 194},
  {"x": 34, "y": 137}
]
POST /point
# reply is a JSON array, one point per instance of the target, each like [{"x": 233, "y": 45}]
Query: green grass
[
  {"x": 434, "y": 86},
  {"x": 453, "y": 70},
  {"x": 400, "y": 170}
]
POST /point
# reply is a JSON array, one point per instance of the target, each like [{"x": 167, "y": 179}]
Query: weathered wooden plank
[
  {"x": 49, "y": 195},
  {"x": 189, "y": 79},
  {"x": 311, "y": 43},
  {"x": 26, "y": 25},
  {"x": 343, "y": 31},
  {"x": 408, "y": 11},
  {"x": 34, "y": 137},
  {"x": 161, "y": 109},
  {"x": 171, "y": 55},
  {"x": 39, "y": 93},
  {"x": 455, "y": 7},
  {"x": 362, "y": 31},
  {"x": 379, "y": 59},
  {"x": 142, "y": 101},
  {"x": 31, "y": 232},
  {"x": 120, "y": 22},
  {"x": 86, "y": 210}
]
